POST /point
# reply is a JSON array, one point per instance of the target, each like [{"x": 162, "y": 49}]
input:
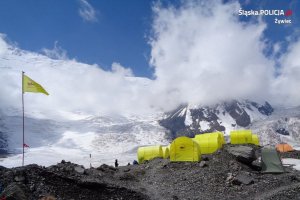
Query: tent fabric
[
  {"x": 208, "y": 143},
  {"x": 184, "y": 149},
  {"x": 166, "y": 153},
  {"x": 284, "y": 147},
  {"x": 149, "y": 153},
  {"x": 219, "y": 135},
  {"x": 255, "y": 139},
  {"x": 270, "y": 161},
  {"x": 241, "y": 137}
]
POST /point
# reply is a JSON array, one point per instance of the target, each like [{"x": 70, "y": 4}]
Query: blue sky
[{"x": 119, "y": 31}]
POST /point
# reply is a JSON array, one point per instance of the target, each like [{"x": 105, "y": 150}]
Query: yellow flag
[{"x": 30, "y": 85}]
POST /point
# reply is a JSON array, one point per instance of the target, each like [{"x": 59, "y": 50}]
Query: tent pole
[{"x": 23, "y": 116}]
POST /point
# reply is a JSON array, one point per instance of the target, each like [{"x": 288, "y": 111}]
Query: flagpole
[{"x": 23, "y": 115}]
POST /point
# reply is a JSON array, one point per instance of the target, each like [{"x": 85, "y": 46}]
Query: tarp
[
  {"x": 166, "y": 153},
  {"x": 270, "y": 161},
  {"x": 241, "y": 137},
  {"x": 184, "y": 149},
  {"x": 208, "y": 143},
  {"x": 255, "y": 139},
  {"x": 149, "y": 153},
  {"x": 284, "y": 147}
]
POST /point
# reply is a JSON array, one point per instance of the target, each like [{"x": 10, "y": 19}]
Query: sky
[
  {"x": 199, "y": 52},
  {"x": 100, "y": 32},
  {"x": 104, "y": 32}
]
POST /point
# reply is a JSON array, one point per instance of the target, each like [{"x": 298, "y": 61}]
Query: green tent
[{"x": 270, "y": 161}]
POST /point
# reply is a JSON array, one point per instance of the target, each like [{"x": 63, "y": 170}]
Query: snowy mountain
[
  {"x": 272, "y": 125},
  {"x": 110, "y": 137},
  {"x": 105, "y": 137},
  {"x": 194, "y": 119}
]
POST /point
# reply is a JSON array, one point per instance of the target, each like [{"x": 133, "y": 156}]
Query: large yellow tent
[
  {"x": 208, "y": 143},
  {"x": 166, "y": 153},
  {"x": 241, "y": 137},
  {"x": 184, "y": 149},
  {"x": 220, "y": 135},
  {"x": 149, "y": 153}
]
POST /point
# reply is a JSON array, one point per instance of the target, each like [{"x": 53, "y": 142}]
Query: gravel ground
[{"x": 214, "y": 178}]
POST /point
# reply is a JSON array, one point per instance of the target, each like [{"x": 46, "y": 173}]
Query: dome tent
[
  {"x": 184, "y": 149},
  {"x": 149, "y": 153},
  {"x": 284, "y": 147},
  {"x": 166, "y": 153},
  {"x": 208, "y": 143},
  {"x": 241, "y": 137}
]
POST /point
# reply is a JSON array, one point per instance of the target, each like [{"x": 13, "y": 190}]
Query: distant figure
[
  {"x": 128, "y": 164},
  {"x": 116, "y": 163},
  {"x": 135, "y": 162}
]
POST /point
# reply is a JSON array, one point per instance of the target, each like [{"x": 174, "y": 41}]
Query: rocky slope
[{"x": 219, "y": 176}]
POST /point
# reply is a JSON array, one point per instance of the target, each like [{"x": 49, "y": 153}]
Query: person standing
[{"x": 116, "y": 163}]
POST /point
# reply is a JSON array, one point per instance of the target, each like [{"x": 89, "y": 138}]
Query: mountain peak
[{"x": 226, "y": 116}]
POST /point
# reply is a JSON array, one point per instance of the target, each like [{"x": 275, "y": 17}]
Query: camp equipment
[
  {"x": 284, "y": 147},
  {"x": 209, "y": 142},
  {"x": 184, "y": 149},
  {"x": 270, "y": 161},
  {"x": 241, "y": 137},
  {"x": 166, "y": 152},
  {"x": 255, "y": 139},
  {"x": 149, "y": 153}
]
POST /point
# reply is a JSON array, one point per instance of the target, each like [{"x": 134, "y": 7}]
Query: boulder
[
  {"x": 14, "y": 192},
  {"x": 243, "y": 178},
  {"x": 106, "y": 168},
  {"x": 256, "y": 165},
  {"x": 244, "y": 154},
  {"x": 203, "y": 164},
  {"x": 79, "y": 169}
]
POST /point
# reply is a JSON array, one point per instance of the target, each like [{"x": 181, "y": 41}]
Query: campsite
[
  {"x": 220, "y": 175},
  {"x": 149, "y": 100},
  {"x": 227, "y": 171}
]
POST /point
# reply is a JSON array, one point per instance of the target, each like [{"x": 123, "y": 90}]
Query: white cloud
[
  {"x": 119, "y": 69},
  {"x": 87, "y": 12},
  {"x": 202, "y": 53},
  {"x": 287, "y": 84},
  {"x": 56, "y": 53},
  {"x": 73, "y": 86}
]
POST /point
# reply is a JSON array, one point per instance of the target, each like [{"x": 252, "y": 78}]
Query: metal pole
[{"x": 23, "y": 116}]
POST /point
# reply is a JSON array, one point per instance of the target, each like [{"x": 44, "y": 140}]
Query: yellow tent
[
  {"x": 255, "y": 139},
  {"x": 166, "y": 153},
  {"x": 149, "y": 153},
  {"x": 220, "y": 136},
  {"x": 184, "y": 149},
  {"x": 241, "y": 137},
  {"x": 208, "y": 143}
]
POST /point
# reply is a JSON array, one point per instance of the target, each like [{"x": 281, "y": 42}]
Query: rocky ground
[{"x": 223, "y": 175}]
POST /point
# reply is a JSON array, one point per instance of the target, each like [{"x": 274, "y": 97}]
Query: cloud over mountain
[{"x": 200, "y": 51}]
